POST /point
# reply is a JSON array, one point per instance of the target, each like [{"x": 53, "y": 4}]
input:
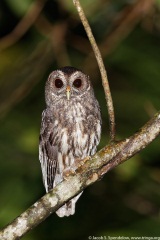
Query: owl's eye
[
  {"x": 77, "y": 83},
  {"x": 58, "y": 83}
]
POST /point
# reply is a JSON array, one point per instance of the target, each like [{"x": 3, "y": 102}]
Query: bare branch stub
[{"x": 102, "y": 69}]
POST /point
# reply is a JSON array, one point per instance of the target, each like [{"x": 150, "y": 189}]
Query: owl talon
[
  {"x": 79, "y": 163},
  {"x": 68, "y": 172}
]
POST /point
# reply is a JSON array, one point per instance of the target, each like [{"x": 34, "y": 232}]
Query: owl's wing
[{"x": 47, "y": 150}]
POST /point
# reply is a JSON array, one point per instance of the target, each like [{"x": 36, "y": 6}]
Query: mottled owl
[{"x": 70, "y": 128}]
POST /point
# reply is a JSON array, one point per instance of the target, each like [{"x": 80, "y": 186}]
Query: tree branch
[
  {"x": 123, "y": 24},
  {"x": 23, "y": 26},
  {"x": 92, "y": 170}
]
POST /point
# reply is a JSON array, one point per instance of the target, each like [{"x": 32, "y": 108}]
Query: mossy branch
[{"x": 92, "y": 170}]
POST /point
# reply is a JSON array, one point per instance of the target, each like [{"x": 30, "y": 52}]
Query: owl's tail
[{"x": 68, "y": 208}]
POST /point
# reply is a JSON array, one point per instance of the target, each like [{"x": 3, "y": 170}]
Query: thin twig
[
  {"x": 92, "y": 170},
  {"x": 122, "y": 25},
  {"x": 23, "y": 26},
  {"x": 28, "y": 70},
  {"x": 125, "y": 22},
  {"x": 101, "y": 68},
  {"x": 59, "y": 45}
]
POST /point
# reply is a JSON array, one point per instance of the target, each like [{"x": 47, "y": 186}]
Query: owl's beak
[{"x": 68, "y": 92}]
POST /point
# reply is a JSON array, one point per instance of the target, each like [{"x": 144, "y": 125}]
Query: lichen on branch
[{"x": 92, "y": 170}]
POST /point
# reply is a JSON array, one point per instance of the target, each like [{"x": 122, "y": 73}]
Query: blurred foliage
[{"x": 126, "y": 202}]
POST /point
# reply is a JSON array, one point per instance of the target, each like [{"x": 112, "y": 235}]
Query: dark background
[{"x": 126, "y": 202}]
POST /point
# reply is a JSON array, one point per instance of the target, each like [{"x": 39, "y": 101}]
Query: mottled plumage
[{"x": 70, "y": 129}]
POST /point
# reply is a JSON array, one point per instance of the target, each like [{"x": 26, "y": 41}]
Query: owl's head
[{"x": 67, "y": 83}]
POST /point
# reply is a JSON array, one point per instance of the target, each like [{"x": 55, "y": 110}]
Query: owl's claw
[
  {"x": 68, "y": 172},
  {"x": 79, "y": 163}
]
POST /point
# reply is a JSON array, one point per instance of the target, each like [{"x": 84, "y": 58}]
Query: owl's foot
[
  {"x": 79, "y": 163},
  {"x": 68, "y": 172}
]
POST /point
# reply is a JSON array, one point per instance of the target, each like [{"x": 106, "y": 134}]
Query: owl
[{"x": 70, "y": 128}]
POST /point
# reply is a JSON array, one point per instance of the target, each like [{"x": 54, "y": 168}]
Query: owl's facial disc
[
  {"x": 66, "y": 85},
  {"x": 79, "y": 83},
  {"x": 57, "y": 83}
]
